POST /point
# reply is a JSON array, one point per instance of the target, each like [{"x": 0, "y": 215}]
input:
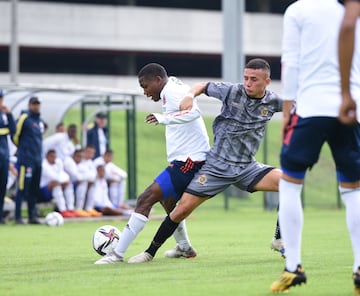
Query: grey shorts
[{"x": 214, "y": 177}]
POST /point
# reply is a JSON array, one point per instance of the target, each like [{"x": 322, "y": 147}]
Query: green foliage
[{"x": 234, "y": 257}]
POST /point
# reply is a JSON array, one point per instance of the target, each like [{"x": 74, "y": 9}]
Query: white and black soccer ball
[
  {"x": 105, "y": 239},
  {"x": 54, "y": 219}
]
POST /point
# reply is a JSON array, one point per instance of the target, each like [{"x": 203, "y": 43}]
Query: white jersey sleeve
[
  {"x": 178, "y": 117},
  {"x": 112, "y": 171},
  {"x": 186, "y": 135},
  {"x": 51, "y": 172}
]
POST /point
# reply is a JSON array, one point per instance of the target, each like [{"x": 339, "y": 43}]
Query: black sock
[
  {"x": 165, "y": 230},
  {"x": 277, "y": 234}
]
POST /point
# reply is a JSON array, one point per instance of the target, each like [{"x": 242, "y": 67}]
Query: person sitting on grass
[{"x": 102, "y": 202}]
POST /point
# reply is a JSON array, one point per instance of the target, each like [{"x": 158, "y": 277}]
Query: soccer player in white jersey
[
  {"x": 88, "y": 171},
  {"x": 238, "y": 131},
  {"x": 115, "y": 176},
  {"x": 102, "y": 202},
  {"x": 311, "y": 77},
  {"x": 63, "y": 143},
  {"x": 79, "y": 180},
  {"x": 55, "y": 184},
  {"x": 187, "y": 143}
]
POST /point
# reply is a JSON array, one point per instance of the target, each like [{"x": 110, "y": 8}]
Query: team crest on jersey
[
  {"x": 202, "y": 179},
  {"x": 28, "y": 173},
  {"x": 264, "y": 112},
  {"x": 42, "y": 127}
]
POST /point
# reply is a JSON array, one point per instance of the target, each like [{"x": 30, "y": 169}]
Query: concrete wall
[
  {"x": 128, "y": 28},
  {"x": 133, "y": 28}
]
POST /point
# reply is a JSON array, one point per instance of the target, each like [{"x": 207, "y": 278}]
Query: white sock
[
  {"x": 69, "y": 197},
  {"x": 291, "y": 221},
  {"x": 351, "y": 199},
  {"x": 135, "y": 224},
  {"x": 114, "y": 193},
  {"x": 122, "y": 190},
  {"x": 181, "y": 236},
  {"x": 80, "y": 194},
  {"x": 90, "y": 200},
  {"x": 59, "y": 198}
]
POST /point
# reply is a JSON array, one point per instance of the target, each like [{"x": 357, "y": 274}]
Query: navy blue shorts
[
  {"x": 45, "y": 195},
  {"x": 176, "y": 177},
  {"x": 304, "y": 138}
]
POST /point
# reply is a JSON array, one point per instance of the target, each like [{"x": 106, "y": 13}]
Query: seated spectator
[
  {"x": 60, "y": 128},
  {"x": 102, "y": 201},
  {"x": 79, "y": 179},
  {"x": 88, "y": 170},
  {"x": 55, "y": 184},
  {"x": 115, "y": 177},
  {"x": 63, "y": 143}
]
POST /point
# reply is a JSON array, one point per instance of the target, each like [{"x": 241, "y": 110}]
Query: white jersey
[
  {"x": 72, "y": 168},
  {"x": 61, "y": 143},
  {"x": 101, "y": 194},
  {"x": 186, "y": 134},
  {"x": 112, "y": 171},
  {"x": 53, "y": 172},
  {"x": 87, "y": 170},
  {"x": 310, "y": 58}
]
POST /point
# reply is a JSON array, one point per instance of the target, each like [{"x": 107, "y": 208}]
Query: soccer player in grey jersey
[{"x": 238, "y": 131}]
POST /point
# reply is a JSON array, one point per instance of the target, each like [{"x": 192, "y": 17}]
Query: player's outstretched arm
[{"x": 195, "y": 90}]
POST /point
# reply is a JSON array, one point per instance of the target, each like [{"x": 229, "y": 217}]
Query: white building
[{"x": 105, "y": 43}]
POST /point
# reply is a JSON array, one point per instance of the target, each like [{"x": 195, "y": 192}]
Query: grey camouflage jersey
[{"x": 240, "y": 127}]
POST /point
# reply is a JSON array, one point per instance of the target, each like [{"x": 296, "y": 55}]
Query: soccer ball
[
  {"x": 54, "y": 219},
  {"x": 105, "y": 239}
]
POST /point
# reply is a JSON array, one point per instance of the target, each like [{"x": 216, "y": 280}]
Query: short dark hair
[
  {"x": 90, "y": 146},
  {"x": 59, "y": 124},
  {"x": 152, "y": 70},
  {"x": 51, "y": 151},
  {"x": 258, "y": 64},
  {"x": 109, "y": 151}
]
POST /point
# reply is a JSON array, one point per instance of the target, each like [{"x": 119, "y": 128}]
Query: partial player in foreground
[
  {"x": 346, "y": 45},
  {"x": 238, "y": 132},
  {"x": 187, "y": 143},
  {"x": 311, "y": 77}
]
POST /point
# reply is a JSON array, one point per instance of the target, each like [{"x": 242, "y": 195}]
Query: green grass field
[
  {"x": 233, "y": 246},
  {"x": 234, "y": 257}
]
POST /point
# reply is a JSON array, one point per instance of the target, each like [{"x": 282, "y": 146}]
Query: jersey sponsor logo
[
  {"x": 264, "y": 112},
  {"x": 202, "y": 179},
  {"x": 42, "y": 127},
  {"x": 28, "y": 173}
]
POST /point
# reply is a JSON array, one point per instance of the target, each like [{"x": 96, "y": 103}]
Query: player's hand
[
  {"x": 151, "y": 119},
  {"x": 347, "y": 113},
  {"x": 186, "y": 103},
  {"x": 13, "y": 169},
  {"x": 284, "y": 125}
]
